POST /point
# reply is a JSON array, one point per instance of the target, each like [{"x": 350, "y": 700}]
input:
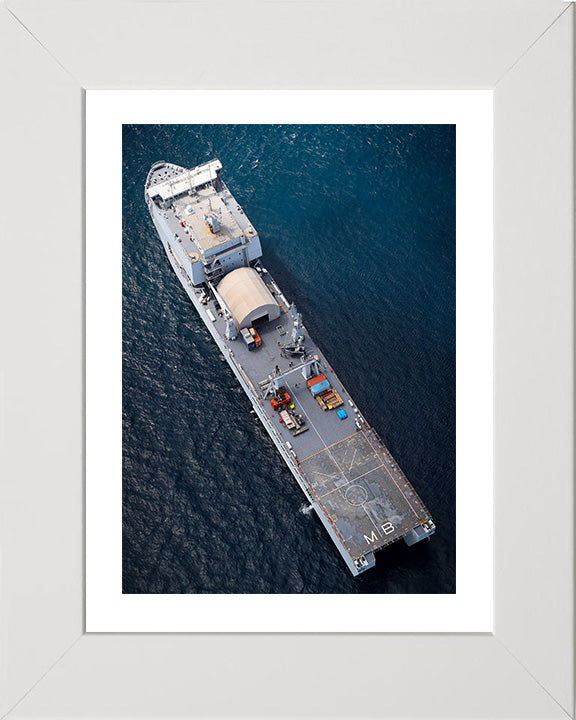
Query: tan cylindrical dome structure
[{"x": 247, "y": 297}]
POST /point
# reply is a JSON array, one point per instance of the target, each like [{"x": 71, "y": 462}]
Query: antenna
[{"x": 231, "y": 332}]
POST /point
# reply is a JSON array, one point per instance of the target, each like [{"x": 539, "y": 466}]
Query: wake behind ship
[{"x": 347, "y": 474}]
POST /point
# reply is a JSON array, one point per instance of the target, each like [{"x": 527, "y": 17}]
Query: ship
[{"x": 347, "y": 474}]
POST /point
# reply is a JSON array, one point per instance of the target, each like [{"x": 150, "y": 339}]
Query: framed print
[
  {"x": 443, "y": 141},
  {"x": 521, "y": 54}
]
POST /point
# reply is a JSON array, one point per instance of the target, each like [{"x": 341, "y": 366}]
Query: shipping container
[
  {"x": 257, "y": 338},
  {"x": 315, "y": 380},
  {"x": 248, "y": 339},
  {"x": 320, "y": 387}
]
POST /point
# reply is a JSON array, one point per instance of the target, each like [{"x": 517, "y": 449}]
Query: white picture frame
[{"x": 52, "y": 52}]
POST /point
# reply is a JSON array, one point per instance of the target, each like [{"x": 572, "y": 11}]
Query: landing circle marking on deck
[{"x": 356, "y": 495}]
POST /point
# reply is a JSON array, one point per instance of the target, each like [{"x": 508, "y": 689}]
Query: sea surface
[{"x": 357, "y": 225}]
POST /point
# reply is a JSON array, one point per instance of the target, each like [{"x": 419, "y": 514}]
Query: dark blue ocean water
[{"x": 357, "y": 225}]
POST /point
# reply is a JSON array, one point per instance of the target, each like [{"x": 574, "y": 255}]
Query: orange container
[{"x": 315, "y": 380}]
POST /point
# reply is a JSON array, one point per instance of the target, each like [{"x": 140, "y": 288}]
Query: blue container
[
  {"x": 320, "y": 387},
  {"x": 342, "y": 414}
]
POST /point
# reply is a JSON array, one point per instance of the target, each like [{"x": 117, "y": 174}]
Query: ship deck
[{"x": 350, "y": 473}]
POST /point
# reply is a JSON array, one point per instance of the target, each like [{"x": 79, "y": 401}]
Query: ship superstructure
[{"x": 347, "y": 474}]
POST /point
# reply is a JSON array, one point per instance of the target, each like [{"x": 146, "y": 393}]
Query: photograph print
[{"x": 289, "y": 359}]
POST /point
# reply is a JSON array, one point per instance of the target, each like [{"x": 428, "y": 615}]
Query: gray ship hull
[{"x": 345, "y": 471}]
